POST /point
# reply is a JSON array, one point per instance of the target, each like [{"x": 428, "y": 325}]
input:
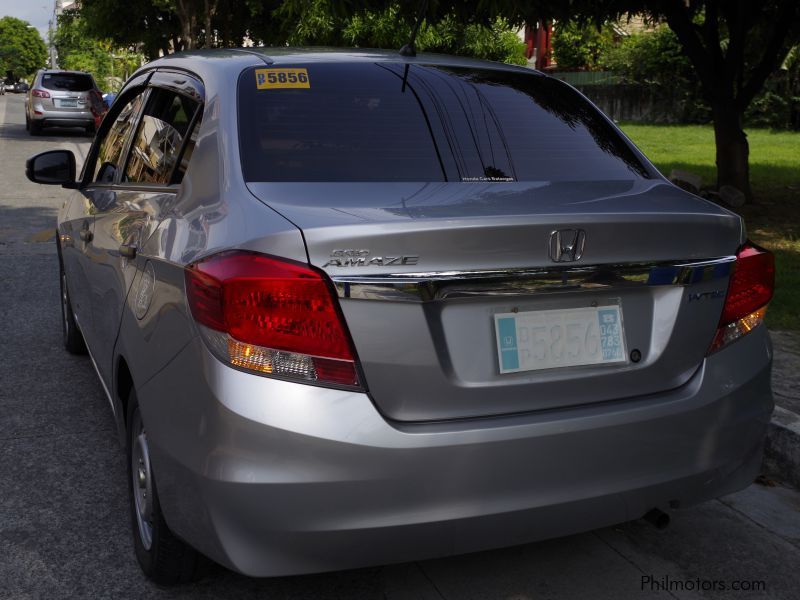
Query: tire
[
  {"x": 73, "y": 338},
  {"x": 27, "y": 123},
  {"x": 36, "y": 128},
  {"x": 90, "y": 130},
  {"x": 163, "y": 557}
]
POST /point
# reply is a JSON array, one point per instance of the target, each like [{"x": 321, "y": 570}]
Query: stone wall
[{"x": 639, "y": 103}]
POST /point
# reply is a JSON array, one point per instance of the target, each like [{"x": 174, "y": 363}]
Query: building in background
[{"x": 538, "y": 44}]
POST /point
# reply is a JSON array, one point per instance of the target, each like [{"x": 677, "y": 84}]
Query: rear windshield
[
  {"x": 392, "y": 122},
  {"x": 68, "y": 82}
]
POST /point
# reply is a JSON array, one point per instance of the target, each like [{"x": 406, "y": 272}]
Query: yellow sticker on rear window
[{"x": 275, "y": 79}]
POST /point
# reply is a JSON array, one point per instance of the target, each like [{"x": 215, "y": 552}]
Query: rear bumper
[
  {"x": 275, "y": 478},
  {"x": 56, "y": 118}
]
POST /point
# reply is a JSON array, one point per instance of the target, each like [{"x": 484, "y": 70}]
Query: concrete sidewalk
[{"x": 782, "y": 452}]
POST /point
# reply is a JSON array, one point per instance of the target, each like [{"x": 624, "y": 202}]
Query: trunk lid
[{"x": 422, "y": 270}]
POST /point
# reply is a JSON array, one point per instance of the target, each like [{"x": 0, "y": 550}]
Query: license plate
[
  {"x": 571, "y": 337},
  {"x": 68, "y": 103}
]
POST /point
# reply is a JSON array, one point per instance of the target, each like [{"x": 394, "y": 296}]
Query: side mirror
[{"x": 54, "y": 167}]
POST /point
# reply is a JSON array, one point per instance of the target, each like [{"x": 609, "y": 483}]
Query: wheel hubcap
[{"x": 142, "y": 485}]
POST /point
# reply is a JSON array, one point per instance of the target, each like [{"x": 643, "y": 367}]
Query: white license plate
[
  {"x": 571, "y": 337},
  {"x": 68, "y": 103}
]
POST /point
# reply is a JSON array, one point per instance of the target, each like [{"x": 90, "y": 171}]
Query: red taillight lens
[
  {"x": 750, "y": 289},
  {"x": 40, "y": 93},
  {"x": 281, "y": 316},
  {"x": 751, "y": 284}
]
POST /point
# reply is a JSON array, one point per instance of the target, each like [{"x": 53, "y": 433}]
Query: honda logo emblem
[{"x": 566, "y": 245}]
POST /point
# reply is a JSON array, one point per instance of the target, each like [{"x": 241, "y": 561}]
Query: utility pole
[{"x": 51, "y": 33}]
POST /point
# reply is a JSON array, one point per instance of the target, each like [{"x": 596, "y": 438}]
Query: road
[{"x": 64, "y": 525}]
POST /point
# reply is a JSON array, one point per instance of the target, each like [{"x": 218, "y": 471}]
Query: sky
[{"x": 36, "y": 12}]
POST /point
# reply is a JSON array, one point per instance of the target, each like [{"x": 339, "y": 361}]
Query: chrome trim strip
[
  {"x": 97, "y": 371},
  {"x": 427, "y": 287},
  {"x": 102, "y": 382}
]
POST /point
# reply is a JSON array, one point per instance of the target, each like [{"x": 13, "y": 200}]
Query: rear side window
[
  {"x": 352, "y": 122},
  {"x": 155, "y": 151},
  {"x": 67, "y": 82},
  {"x": 550, "y": 132}
]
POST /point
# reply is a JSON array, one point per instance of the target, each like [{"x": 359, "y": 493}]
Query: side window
[
  {"x": 110, "y": 155},
  {"x": 156, "y": 149}
]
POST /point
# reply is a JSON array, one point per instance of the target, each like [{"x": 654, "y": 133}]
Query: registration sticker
[{"x": 275, "y": 79}]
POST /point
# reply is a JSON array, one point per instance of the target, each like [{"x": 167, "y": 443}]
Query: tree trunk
[
  {"x": 210, "y": 12},
  {"x": 187, "y": 33},
  {"x": 733, "y": 151},
  {"x": 187, "y": 20},
  {"x": 208, "y": 25}
]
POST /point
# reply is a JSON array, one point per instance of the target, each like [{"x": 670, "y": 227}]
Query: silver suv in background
[{"x": 60, "y": 99}]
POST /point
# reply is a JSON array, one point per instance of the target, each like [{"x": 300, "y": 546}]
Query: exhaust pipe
[{"x": 657, "y": 518}]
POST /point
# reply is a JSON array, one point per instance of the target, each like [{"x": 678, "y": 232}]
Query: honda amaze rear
[{"x": 409, "y": 307}]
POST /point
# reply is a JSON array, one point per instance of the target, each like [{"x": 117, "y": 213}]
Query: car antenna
[{"x": 409, "y": 49}]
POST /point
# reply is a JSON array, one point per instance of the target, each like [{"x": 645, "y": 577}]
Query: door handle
[
  {"x": 127, "y": 251},
  {"x": 86, "y": 235}
]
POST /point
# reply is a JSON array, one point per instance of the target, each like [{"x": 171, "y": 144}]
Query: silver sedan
[{"x": 352, "y": 308}]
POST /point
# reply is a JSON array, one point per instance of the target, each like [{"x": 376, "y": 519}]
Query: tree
[
  {"x": 576, "y": 47},
  {"x": 191, "y": 16},
  {"x": 158, "y": 27},
  {"x": 22, "y": 50},
  {"x": 733, "y": 47},
  {"x": 164, "y": 26},
  {"x": 79, "y": 50},
  {"x": 133, "y": 24},
  {"x": 319, "y": 23}
]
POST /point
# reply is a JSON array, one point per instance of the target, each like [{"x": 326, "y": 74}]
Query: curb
[{"x": 782, "y": 449}]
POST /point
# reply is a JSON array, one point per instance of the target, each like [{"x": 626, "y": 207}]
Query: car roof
[
  {"x": 223, "y": 59},
  {"x": 63, "y": 72}
]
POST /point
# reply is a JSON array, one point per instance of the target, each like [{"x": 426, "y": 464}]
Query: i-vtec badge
[
  {"x": 362, "y": 258},
  {"x": 712, "y": 295}
]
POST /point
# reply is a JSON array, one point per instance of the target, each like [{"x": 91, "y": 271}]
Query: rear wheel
[
  {"x": 35, "y": 127},
  {"x": 73, "y": 338},
  {"x": 164, "y": 558}
]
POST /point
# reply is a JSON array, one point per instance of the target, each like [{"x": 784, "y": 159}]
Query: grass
[{"x": 773, "y": 218}]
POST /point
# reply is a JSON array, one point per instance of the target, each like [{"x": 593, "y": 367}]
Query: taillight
[
  {"x": 749, "y": 291},
  {"x": 272, "y": 316},
  {"x": 40, "y": 93}
]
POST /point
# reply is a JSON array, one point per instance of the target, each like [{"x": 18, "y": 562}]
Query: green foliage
[
  {"x": 778, "y": 106},
  {"x": 496, "y": 42},
  {"x": 650, "y": 57},
  {"x": 133, "y": 24},
  {"x": 22, "y": 50},
  {"x": 656, "y": 58},
  {"x": 769, "y": 109},
  {"x": 319, "y": 23},
  {"x": 79, "y": 50},
  {"x": 581, "y": 46}
]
